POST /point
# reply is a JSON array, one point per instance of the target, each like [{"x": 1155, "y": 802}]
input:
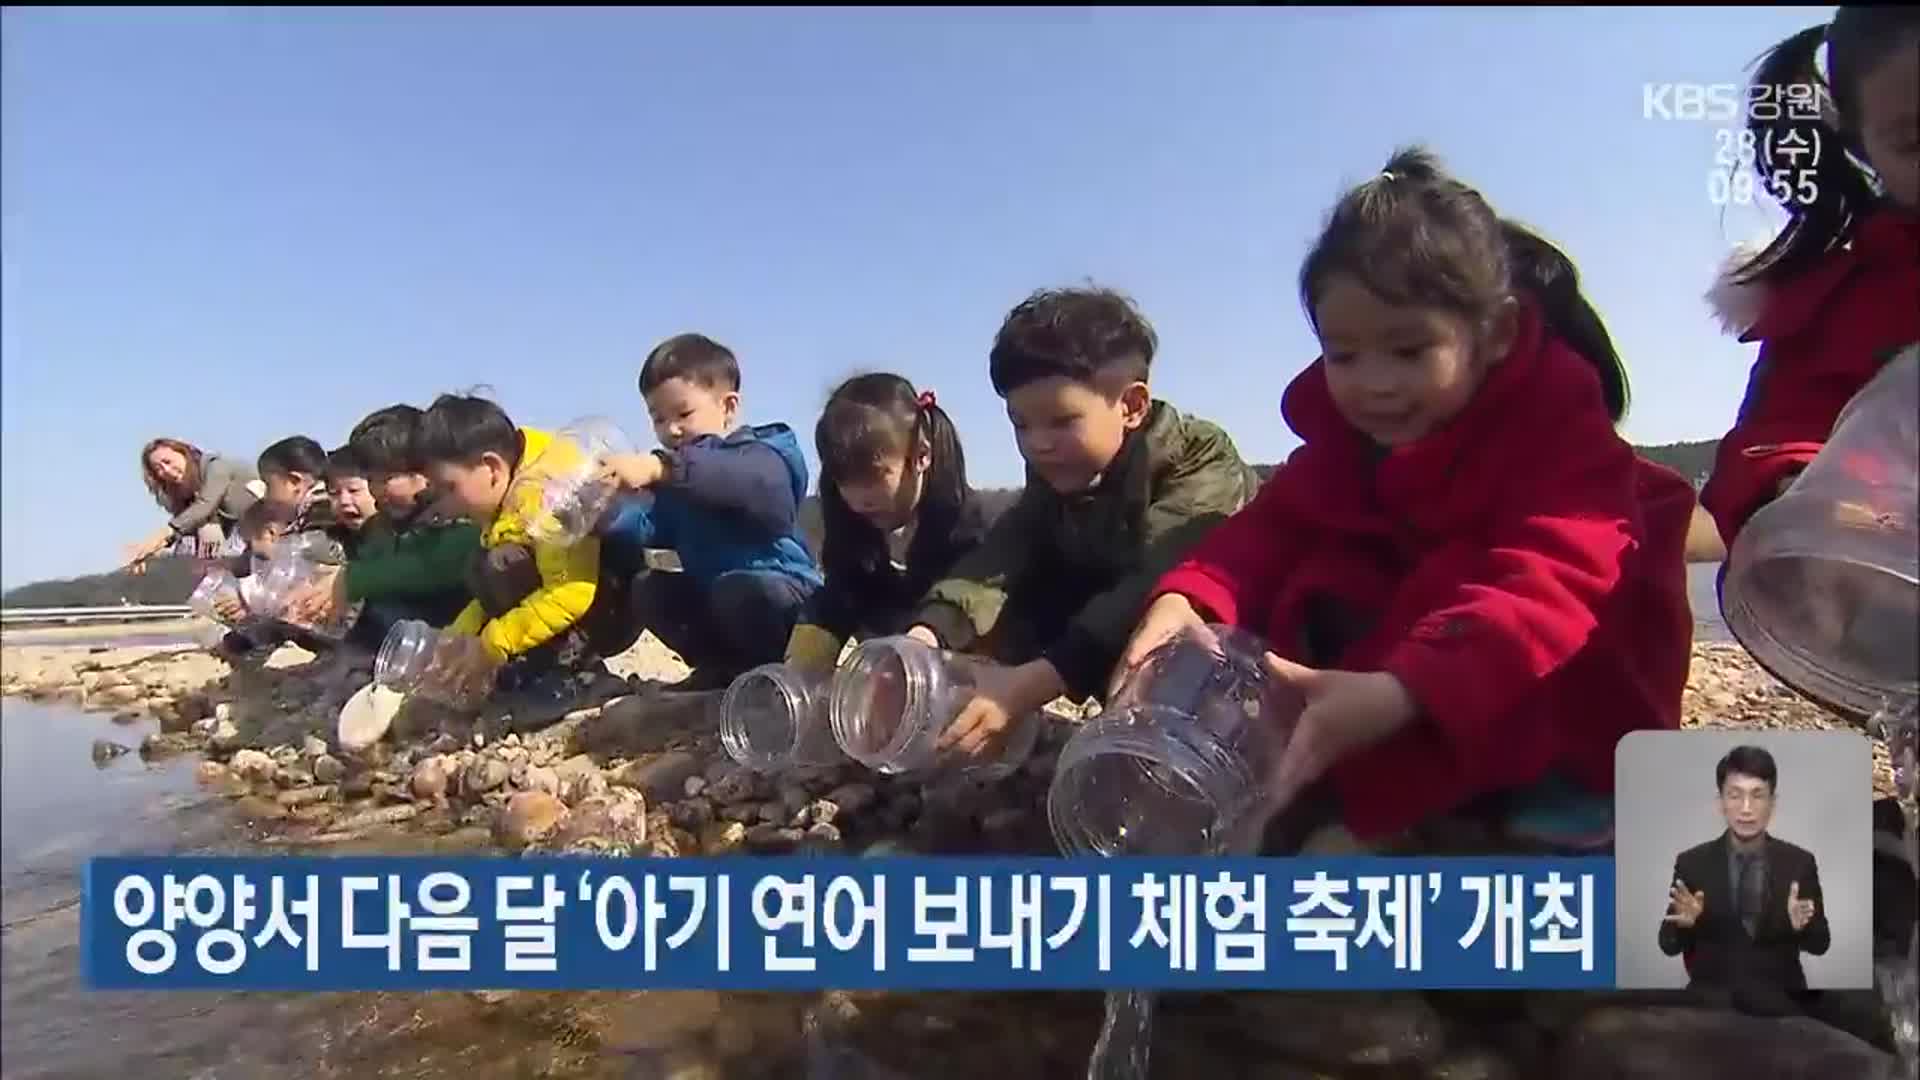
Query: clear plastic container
[
  {"x": 1179, "y": 761},
  {"x": 775, "y": 717},
  {"x": 216, "y": 586},
  {"x": 1822, "y": 586},
  {"x": 299, "y": 563},
  {"x": 895, "y": 695},
  {"x": 452, "y": 669},
  {"x": 571, "y": 497}
]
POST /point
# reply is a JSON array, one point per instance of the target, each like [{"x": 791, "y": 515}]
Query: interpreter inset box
[{"x": 1743, "y": 861}]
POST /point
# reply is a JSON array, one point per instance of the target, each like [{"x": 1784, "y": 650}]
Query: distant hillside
[
  {"x": 168, "y": 580},
  {"x": 171, "y": 580}
]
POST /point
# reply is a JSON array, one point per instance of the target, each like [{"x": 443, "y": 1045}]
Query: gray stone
[
  {"x": 1629, "y": 1044},
  {"x": 484, "y": 775},
  {"x": 694, "y": 786},
  {"x": 225, "y": 737},
  {"x": 530, "y": 816},
  {"x": 328, "y": 769},
  {"x": 313, "y": 746},
  {"x": 105, "y": 750},
  {"x": 252, "y": 766},
  {"x": 692, "y": 815},
  {"x": 662, "y": 777}
]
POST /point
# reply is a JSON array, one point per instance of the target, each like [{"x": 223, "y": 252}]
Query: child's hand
[
  {"x": 229, "y": 610},
  {"x": 925, "y": 636},
  {"x": 1000, "y": 696},
  {"x": 1166, "y": 618},
  {"x": 316, "y": 602},
  {"x": 635, "y": 472},
  {"x": 1346, "y": 711}
]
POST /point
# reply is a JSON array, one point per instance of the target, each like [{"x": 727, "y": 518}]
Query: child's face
[
  {"x": 353, "y": 502},
  {"x": 474, "y": 490},
  {"x": 287, "y": 489},
  {"x": 1069, "y": 432},
  {"x": 397, "y": 494},
  {"x": 683, "y": 410},
  {"x": 889, "y": 495},
  {"x": 1398, "y": 373},
  {"x": 1890, "y": 123},
  {"x": 260, "y": 545}
]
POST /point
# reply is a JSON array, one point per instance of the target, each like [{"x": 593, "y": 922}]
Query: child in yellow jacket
[{"x": 539, "y": 608}]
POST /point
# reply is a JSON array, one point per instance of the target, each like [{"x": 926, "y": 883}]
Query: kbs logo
[{"x": 1725, "y": 102}]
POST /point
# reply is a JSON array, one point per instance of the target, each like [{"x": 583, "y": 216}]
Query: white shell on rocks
[{"x": 367, "y": 715}]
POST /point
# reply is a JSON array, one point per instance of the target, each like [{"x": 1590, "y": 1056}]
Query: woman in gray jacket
[{"x": 204, "y": 494}]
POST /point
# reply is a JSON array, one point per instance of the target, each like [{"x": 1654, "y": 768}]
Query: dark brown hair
[
  {"x": 694, "y": 357},
  {"x": 869, "y": 418},
  {"x": 1414, "y": 235},
  {"x": 1096, "y": 337},
  {"x": 171, "y": 498},
  {"x": 1858, "y": 40}
]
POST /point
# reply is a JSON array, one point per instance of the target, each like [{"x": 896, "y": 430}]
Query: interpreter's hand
[
  {"x": 925, "y": 636},
  {"x": 1799, "y": 912},
  {"x": 1345, "y": 711},
  {"x": 1001, "y": 695},
  {"x": 635, "y": 472},
  {"x": 138, "y": 554},
  {"x": 1687, "y": 906},
  {"x": 1165, "y": 619}
]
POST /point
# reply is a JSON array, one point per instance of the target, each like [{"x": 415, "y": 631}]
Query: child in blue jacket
[{"x": 725, "y": 498}]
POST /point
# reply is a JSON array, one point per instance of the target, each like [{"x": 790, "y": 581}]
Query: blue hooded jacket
[{"x": 728, "y": 503}]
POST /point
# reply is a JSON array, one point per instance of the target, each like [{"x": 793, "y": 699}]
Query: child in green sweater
[{"x": 404, "y": 561}]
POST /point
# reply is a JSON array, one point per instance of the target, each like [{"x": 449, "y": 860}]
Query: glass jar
[
  {"x": 301, "y": 563},
  {"x": 774, "y": 717},
  {"x": 1179, "y": 761},
  {"x": 448, "y": 668},
  {"x": 216, "y": 586},
  {"x": 572, "y": 498},
  {"x": 1822, "y": 585},
  {"x": 895, "y": 695}
]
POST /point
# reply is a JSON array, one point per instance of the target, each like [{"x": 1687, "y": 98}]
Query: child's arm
[
  {"x": 1208, "y": 486},
  {"x": 206, "y": 502},
  {"x": 747, "y": 478},
  {"x": 569, "y": 577},
  {"x": 1783, "y": 422},
  {"x": 426, "y": 560},
  {"x": 964, "y": 606},
  {"x": 1521, "y": 599}
]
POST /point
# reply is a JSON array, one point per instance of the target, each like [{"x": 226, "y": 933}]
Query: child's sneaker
[{"x": 1561, "y": 815}]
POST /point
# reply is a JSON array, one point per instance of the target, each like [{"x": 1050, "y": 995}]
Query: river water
[{"x": 57, "y": 808}]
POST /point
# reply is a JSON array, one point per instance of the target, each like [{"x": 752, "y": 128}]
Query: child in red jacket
[
  {"x": 1469, "y": 574},
  {"x": 1838, "y": 292}
]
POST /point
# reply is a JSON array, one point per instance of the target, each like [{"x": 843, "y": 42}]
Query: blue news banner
[{"x": 392, "y": 923}]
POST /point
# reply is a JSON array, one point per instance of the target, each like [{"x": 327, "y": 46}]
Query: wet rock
[
  {"x": 313, "y": 746},
  {"x": 204, "y": 729},
  {"x": 1629, "y": 1044},
  {"x": 443, "y": 743},
  {"x": 258, "y": 809},
  {"x": 851, "y": 798},
  {"x": 660, "y": 1020},
  {"x": 771, "y": 839},
  {"x": 537, "y": 778},
  {"x": 580, "y": 787},
  {"x": 821, "y": 838},
  {"x": 386, "y": 815},
  {"x": 301, "y": 796},
  {"x": 312, "y": 813},
  {"x": 817, "y": 812},
  {"x": 190, "y": 707},
  {"x": 293, "y": 778},
  {"x": 744, "y": 813},
  {"x": 1336, "y": 1031},
  {"x": 225, "y": 737},
  {"x": 252, "y": 766},
  {"x": 774, "y": 813},
  {"x": 164, "y": 745},
  {"x": 484, "y": 775},
  {"x": 736, "y": 786},
  {"x": 429, "y": 779},
  {"x": 694, "y": 786},
  {"x": 359, "y": 786},
  {"x": 217, "y": 778},
  {"x": 328, "y": 769},
  {"x": 660, "y": 777},
  {"x": 619, "y": 818},
  {"x": 132, "y": 716},
  {"x": 692, "y": 815},
  {"x": 723, "y": 838},
  {"x": 105, "y": 750},
  {"x": 530, "y": 816}
]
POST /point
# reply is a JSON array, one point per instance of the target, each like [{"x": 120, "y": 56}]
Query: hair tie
[{"x": 926, "y": 400}]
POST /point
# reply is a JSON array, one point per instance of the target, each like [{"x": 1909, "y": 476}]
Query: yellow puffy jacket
[{"x": 568, "y": 575}]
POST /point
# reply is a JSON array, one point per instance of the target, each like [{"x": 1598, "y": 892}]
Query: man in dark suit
[{"x": 1745, "y": 905}]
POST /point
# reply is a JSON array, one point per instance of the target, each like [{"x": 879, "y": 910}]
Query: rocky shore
[{"x": 641, "y": 772}]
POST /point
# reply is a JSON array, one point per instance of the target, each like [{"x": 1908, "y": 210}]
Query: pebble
[
  {"x": 484, "y": 775},
  {"x": 301, "y": 796},
  {"x": 328, "y": 769},
  {"x": 224, "y": 737},
  {"x": 692, "y": 815},
  {"x": 429, "y": 779},
  {"x": 252, "y": 766},
  {"x": 694, "y": 786},
  {"x": 540, "y": 778},
  {"x": 313, "y": 747},
  {"x": 105, "y": 750},
  {"x": 723, "y": 837},
  {"x": 660, "y": 777},
  {"x": 530, "y": 816}
]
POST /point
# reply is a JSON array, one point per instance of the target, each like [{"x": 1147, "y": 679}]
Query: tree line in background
[{"x": 171, "y": 580}]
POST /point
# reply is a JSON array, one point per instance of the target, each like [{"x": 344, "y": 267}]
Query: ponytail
[
  {"x": 1858, "y": 40},
  {"x": 868, "y": 417},
  {"x": 1545, "y": 272}
]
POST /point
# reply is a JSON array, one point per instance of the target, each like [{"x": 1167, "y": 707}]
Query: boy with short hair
[
  {"x": 402, "y": 562},
  {"x": 1119, "y": 485},
  {"x": 536, "y": 607},
  {"x": 725, "y": 498},
  {"x": 292, "y": 471}
]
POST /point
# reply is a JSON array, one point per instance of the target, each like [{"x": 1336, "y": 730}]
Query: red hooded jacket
[
  {"x": 1521, "y": 570},
  {"x": 1823, "y": 336}
]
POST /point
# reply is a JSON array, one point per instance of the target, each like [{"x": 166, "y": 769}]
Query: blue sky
[{"x": 231, "y": 226}]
